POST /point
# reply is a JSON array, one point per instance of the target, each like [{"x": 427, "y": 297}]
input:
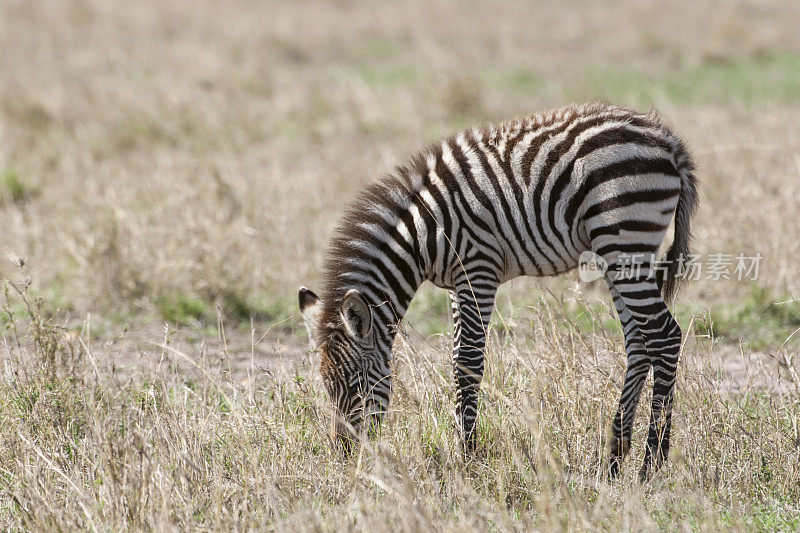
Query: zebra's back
[{"x": 533, "y": 193}]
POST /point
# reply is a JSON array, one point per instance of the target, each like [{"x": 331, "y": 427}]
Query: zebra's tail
[{"x": 687, "y": 204}]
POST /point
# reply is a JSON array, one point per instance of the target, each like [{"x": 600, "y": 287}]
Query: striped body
[{"x": 487, "y": 205}]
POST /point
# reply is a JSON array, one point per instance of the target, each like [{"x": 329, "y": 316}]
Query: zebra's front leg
[
  {"x": 638, "y": 367},
  {"x": 472, "y": 309}
]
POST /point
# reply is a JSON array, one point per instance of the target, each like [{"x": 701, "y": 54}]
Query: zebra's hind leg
[
  {"x": 662, "y": 339},
  {"x": 638, "y": 367}
]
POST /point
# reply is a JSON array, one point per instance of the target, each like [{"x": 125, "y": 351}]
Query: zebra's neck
[
  {"x": 388, "y": 305},
  {"x": 375, "y": 250}
]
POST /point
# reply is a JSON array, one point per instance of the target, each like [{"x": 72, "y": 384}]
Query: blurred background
[{"x": 186, "y": 160}]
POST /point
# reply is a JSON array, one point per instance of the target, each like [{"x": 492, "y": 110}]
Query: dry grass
[
  {"x": 184, "y": 162},
  {"x": 205, "y": 151},
  {"x": 182, "y": 445}
]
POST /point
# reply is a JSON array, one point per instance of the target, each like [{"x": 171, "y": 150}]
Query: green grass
[
  {"x": 236, "y": 308},
  {"x": 522, "y": 80},
  {"x": 178, "y": 308},
  {"x": 379, "y": 75},
  {"x": 16, "y": 187},
  {"x": 759, "y": 320},
  {"x": 429, "y": 312},
  {"x": 763, "y": 79},
  {"x": 770, "y": 78}
]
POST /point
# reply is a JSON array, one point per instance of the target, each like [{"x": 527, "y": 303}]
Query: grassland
[{"x": 170, "y": 172}]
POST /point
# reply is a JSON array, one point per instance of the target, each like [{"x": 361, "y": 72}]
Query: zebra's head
[{"x": 356, "y": 374}]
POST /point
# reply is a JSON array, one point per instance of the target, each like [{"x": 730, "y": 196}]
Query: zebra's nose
[{"x": 341, "y": 434}]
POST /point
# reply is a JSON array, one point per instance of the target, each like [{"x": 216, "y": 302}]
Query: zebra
[{"x": 524, "y": 197}]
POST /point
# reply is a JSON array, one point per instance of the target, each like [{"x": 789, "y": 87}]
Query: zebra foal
[{"x": 525, "y": 197}]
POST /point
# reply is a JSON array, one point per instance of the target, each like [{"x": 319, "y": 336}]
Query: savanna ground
[{"x": 170, "y": 172}]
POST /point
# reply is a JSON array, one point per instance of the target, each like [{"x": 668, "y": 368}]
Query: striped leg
[
  {"x": 635, "y": 376},
  {"x": 456, "y": 322},
  {"x": 472, "y": 309},
  {"x": 662, "y": 339}
]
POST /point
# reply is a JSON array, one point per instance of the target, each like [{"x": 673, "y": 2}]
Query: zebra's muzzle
[{"x": 343, "y": 433}]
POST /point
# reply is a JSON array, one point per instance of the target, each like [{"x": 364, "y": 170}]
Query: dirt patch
[
  {"x": 738, "y": 370},
  {"x": 240, "y": 354}
]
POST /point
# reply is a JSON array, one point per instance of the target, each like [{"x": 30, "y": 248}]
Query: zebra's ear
[
  {"x": 307, "y": 298},
  {"x": 356, "y": 315},
  {"x": 310, "y": 306}
]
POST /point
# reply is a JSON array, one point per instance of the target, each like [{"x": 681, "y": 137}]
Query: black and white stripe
[{"x": 526, "y": 197}]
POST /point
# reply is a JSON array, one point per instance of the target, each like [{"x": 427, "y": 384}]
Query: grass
[
  {"x": 172, "y": 175},
  {"x": 763, "y": 320},
  {"x": 762, "y": 79},
  {"x": 182, "y": 445},
  {"x": 180, "y": 309},
  {"x": 16, "y": 187},
  {"x": 171, "y": 172},
  {"x": 237, "y": 309}
]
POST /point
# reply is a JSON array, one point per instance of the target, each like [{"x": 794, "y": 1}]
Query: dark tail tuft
[{"x": 681, "y": 245}]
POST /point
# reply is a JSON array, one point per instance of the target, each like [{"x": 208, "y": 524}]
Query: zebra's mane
[{"x": 379, "y": 203}]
